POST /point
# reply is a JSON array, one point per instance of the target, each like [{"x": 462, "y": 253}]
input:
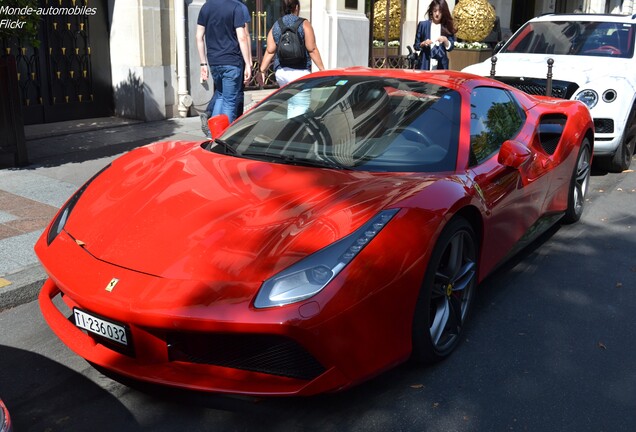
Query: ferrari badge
[{"x": 111, "y": 284}]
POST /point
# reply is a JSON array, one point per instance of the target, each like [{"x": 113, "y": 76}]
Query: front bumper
[
  {"x": 329, "y": 342},
  {"x": 151, "y": 360},
  {"x": 605, "y": 143}
]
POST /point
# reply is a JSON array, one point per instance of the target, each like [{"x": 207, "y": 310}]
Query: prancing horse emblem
[{"x": 111, "y": 284}]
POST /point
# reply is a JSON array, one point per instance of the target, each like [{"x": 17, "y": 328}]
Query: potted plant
[
  {"x": 474, "y": 20},
  {"x": 19, "y": 22},
  {"x": 387, "y": 28},
  {"x": 468, "y": 53},
  {"x": 392, "y": 48}
]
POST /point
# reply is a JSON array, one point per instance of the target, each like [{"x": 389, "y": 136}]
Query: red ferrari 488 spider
[{"x": 336, "y": 230}]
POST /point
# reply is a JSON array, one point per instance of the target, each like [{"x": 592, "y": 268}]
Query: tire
[
  {"x": 446, "y": 293},
  {"x": 579, "y": 183},
  {"x": 622, "y": 159}
]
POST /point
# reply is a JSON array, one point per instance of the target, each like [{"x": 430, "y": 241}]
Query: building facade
[
  {"x": 146, "y": 79},
  {"x": 138, "y": 58},
  {"x": 155, "y": 64}
]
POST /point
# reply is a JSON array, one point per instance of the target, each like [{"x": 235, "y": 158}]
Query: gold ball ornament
[
  {"x": 474, "y": 19},
  {"x": 379, "y": 20}
]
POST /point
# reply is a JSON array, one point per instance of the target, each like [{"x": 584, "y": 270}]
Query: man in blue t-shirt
[{"x": 223, "y": 46}]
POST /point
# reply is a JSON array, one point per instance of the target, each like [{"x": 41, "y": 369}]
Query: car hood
[
  {"x": 178, "y": 211},
  {"x": 578, "y": 69}
]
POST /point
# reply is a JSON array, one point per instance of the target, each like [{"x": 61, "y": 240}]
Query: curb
[{"x": 21, "y": 287}]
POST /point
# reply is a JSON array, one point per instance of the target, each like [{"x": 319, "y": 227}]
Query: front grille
[
  {"x": 270, "y": 354},
  {"x": 604, "y": 125},
  {"x": 536, "y": 86}
]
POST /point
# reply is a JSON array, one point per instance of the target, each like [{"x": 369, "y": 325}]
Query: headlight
[
  {"x": 62, "y": 216},
  {"x": 309, "y": 276},
  {"x": 588, "y": 97}
]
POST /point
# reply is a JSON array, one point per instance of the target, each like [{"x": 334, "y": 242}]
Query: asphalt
[{"x": 61, "y": 157}]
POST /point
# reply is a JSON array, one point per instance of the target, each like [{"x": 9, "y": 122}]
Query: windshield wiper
[
  {"x": 228, "y": 148},
  {"x": 291, "y": 160}
]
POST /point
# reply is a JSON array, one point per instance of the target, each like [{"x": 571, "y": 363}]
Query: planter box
[
  {"x": 390, "y": 51},
  {"x": 460, "y": 58}
]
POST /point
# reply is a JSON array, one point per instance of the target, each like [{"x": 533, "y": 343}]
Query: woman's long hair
[
  {"x": 288, "y": 6},
  {"x": 448, "y": 26}
]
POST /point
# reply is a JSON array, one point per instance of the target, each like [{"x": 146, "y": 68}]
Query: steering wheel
[
  {"x": 423, "y": 138},
  {"x": 604, "y": 49}
]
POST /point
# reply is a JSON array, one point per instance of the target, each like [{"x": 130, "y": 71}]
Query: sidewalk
[{"x": 62, "y": 157}]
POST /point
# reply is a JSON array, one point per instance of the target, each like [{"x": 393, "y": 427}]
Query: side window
[{"x": 494, "y": 118}]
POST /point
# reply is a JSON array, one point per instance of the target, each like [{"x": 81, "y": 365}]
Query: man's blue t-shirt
[{"x": 221, "y": 18}]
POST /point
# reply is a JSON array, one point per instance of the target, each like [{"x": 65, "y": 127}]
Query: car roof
[
  {"x": 447, "y": 78},
  {"x": 455, "y": 80},
  {"x": 587, "y": 17}
]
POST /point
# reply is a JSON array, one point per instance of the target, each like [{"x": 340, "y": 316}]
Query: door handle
[
  {"x": 263, "y": 26},
  {"x": 252, "y": 36}
]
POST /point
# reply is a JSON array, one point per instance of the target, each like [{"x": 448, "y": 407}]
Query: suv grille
[
  {"x": 270, "y": 354},
  {"x": 536, "y": 86}
]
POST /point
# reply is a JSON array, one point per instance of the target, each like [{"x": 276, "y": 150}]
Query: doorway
[
  {"x": 522, "y": 11},
  {"x": 68, "y": 76},
  {"x": 264, "y": 14}
]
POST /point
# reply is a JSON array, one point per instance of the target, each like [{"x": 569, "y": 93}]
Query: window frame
[{"x": 474, "y": 159}]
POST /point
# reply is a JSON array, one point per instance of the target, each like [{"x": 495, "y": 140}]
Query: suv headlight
[
  {"x": 588, "y": 97},
  {"x": 309, "y": 276}
]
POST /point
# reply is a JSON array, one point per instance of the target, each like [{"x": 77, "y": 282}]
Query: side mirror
[
  {"x": 217, "y": 125},
  {"x": 513, "y": 154},
  {"x": 499, "y": 46}
]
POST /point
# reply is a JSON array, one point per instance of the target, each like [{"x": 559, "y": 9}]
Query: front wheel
[
  {"x": 579, "y": 183},
  {"x": 446, "y": 293}
]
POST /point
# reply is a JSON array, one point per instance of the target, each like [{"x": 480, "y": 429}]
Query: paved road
[{"x": 550, "y": 347}]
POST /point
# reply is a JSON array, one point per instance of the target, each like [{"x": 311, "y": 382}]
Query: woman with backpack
[{"x": 291, "y": 43}]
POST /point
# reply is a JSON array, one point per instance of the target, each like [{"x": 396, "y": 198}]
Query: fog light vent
[{"x": 609, "y": 96}]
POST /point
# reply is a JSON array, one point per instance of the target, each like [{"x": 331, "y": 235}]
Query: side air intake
[{"x": 550, "y": 131}]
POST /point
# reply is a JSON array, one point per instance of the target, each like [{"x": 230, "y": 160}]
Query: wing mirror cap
[
  {"x": 513, "y": 154},
  {"x": 217, "y": 125},
  {"x": 499, "y": 46}
]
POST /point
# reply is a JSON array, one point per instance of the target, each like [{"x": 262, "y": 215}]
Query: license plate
[{"x": 101, "y": 327}]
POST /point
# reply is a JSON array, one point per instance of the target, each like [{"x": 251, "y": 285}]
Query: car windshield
[
  {"x": 604, "y": 39},
  {"x": 352, "y": 122}
]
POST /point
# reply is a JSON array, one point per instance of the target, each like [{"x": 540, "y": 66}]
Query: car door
[{"x": 513, "y": 196}]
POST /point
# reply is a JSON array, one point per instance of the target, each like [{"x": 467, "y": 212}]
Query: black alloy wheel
[
  {"x": 579, "y": 184},
  {"x": 446, "y": 294}
]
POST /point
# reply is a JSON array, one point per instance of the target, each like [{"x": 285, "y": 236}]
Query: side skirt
[{"x": 542, "y": 225}]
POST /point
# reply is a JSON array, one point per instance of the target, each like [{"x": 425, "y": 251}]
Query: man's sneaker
[{"x": 204, "y": 124}]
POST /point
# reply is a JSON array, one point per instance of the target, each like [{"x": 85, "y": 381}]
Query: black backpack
[{"x": 291, "y": 50}]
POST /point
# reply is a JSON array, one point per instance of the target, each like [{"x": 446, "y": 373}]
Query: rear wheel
[
  {"x": 446, "y": 293},
  {"x": 623, "y": 156},
  {"x": 579, "y": 183}
]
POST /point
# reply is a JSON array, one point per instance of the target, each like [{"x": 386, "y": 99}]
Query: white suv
[{"x": 593, "y": 63}]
